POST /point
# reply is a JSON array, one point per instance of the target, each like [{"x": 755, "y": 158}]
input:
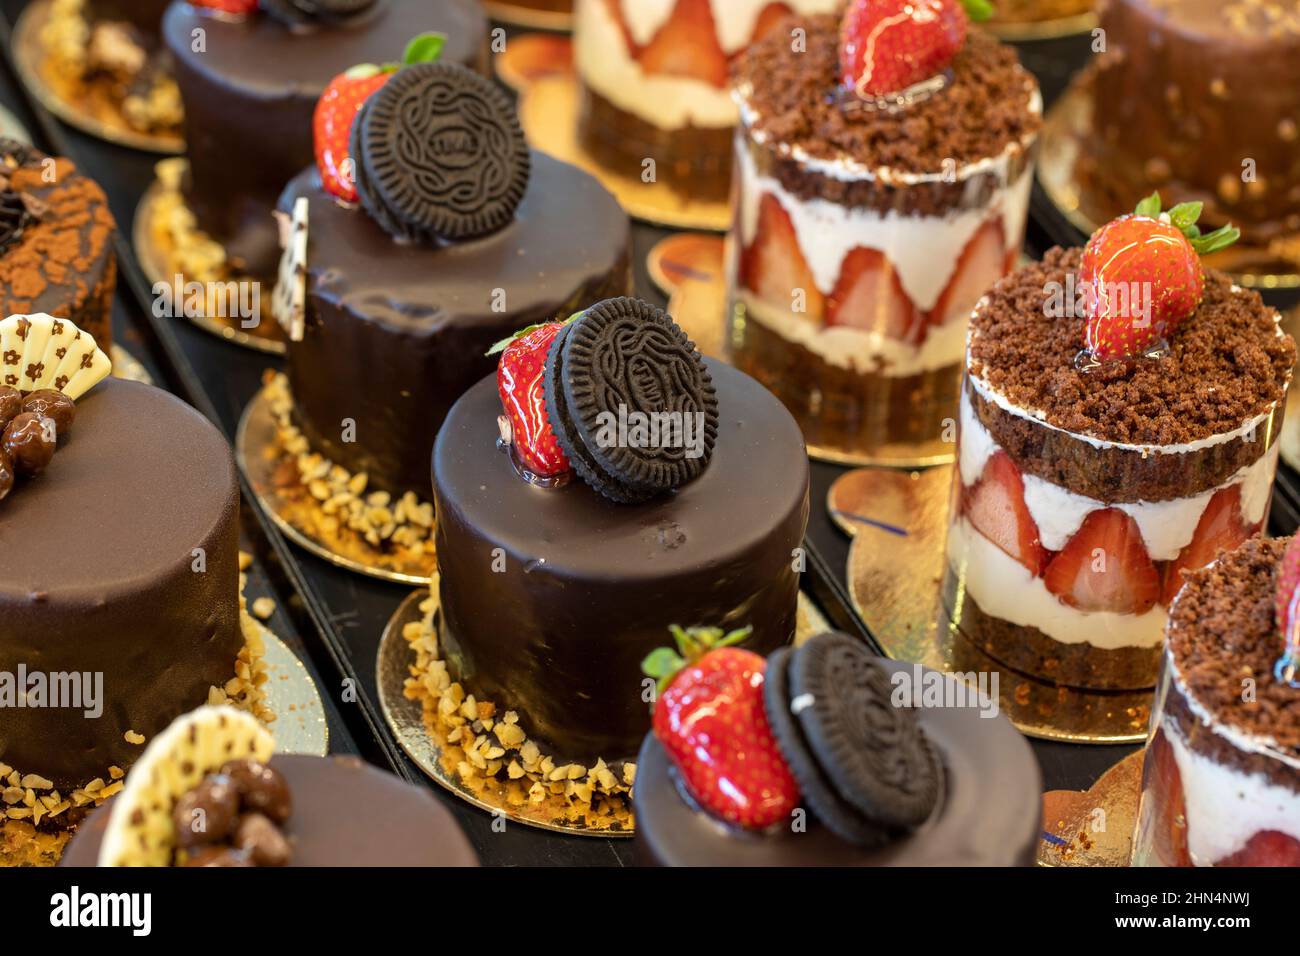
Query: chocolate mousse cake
[
  {"x": 211, "y": 792},
  {"x": 1221, "y": 782},
  {"x": 56, "y": 241},
  {"x": 654, "y": 83},
  {"x": 250, "y": 93},
  {"x": 877, "y": 201},
  {"x": 1201, "y": 100},
  {"x": 810, "y": 759},
  {"x": 565, "y": 552},
  {"x": 397, "y": 312},
  {"x": 1101, "y": 456},
  {"x": 119, "y": 573}
]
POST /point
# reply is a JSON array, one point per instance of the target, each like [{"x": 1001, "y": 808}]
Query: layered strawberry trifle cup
[
  {"x": 1221, "y": 779},
  {"x": 883, "y": 173},
  {"x": 654, "y": 84},
  {"x": 1119, "y": 426}
]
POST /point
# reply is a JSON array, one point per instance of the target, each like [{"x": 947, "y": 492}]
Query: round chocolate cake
[
  {"x": 396, "y": 332},
  {"x": 329, "y": 825},
  {"x": 56, "y": 241},
  {"x": 988, "y": 811},
  {"x": 552, "y": 596},
  {"x": 250, "y": 93},
  {"x": 121, "y": 560}
]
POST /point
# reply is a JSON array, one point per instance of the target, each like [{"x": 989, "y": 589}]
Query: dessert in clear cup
[
  {"x": 653, "y": 76},
  {"x": 1221, "y": 781},
  {"x": 1201, "y": 100},
  {"x": 877, "y": 199},
  {"x": 1119, "y": 425},
  {"x": 825, "y": 755}
]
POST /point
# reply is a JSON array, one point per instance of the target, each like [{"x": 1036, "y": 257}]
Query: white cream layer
[
  {"x": 734, "y": 21},
  {"x": 1167, "y": 526},
  {"x": 669, "y": 102},
  {"x": 923, "y": 249},
  {"x": 1004, "y": 588},
  {"x": 1225, "y": 807},
  {"x": 857, "y": 349}
]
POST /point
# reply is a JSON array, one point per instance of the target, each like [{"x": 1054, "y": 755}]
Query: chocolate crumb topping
[
  {"x": 984, "y": 109},
  {"x": 1226, "y": 365},
  {"x": 1223, "y": 631}
]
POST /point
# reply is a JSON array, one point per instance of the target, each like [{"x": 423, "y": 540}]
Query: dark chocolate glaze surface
[
  {"x": 97, "y": 574},
  {"x": 989, "y": 814},
  {"x": 345, "y": 813},
  {"x": 589, "y": 587},
  {"x": 396, "y": 333},
  {"x": 250, "y": 95}
]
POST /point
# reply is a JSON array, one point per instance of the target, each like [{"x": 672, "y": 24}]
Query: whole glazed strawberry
[
  {"x": 888, "y": 46},
  {"x": 1142, "y": 277},
  {"x": 522, "y": 387},
  {"x": 710, "y": 718},
  {"x": 337, "y": 109}
]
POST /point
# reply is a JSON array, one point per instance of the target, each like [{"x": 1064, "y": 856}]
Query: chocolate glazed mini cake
[
  {"x": 1221, "y": 781},
  {"x": 250, "y": 93},
  {"x": 555, "y": 586},
  {"x": 404, "y": 292},
  {"x": 1083, "y": 493},
  {"x": 119, "y": 558},
  {"x": 56, "y": 243}
]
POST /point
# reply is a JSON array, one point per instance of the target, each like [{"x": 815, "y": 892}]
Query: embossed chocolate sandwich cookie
[
  {"x": 302, "y": 13},
  {"x": 630, "y": 399},
  {"x": 440, "y": 155}
]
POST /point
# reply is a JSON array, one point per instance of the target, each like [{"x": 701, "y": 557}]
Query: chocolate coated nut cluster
[
  {"x": 233, "y": 818},
  {"x": 30, "y": 428}
]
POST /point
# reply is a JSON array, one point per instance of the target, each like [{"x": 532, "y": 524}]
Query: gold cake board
[
  {"x": 438, "y": 758},
  {"x": 157, "y": 263},
  {"x": 1094, "y": 827},
  {"x": 898, "y": 523},
  {"x": 86, "y": 108},
  {"x": 1067, "y": 126},
  {"x": 299, "y": 728}
]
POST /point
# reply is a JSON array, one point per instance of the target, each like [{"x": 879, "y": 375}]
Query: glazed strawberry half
[
  {"x": 709, "y": 717},
  {"x": 337, "y": 109},
  {"x": 521, "y": 383},
  {"x": 1287, "y": 607},
  {"x": 889, "y": 46},
  {"x": 1142, "y": 277}
]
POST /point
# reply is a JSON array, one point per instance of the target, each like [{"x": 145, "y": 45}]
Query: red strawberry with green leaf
[
  {"x": 521, "y": 383},
  {"x": 1287, "y": 607},
  {"x": 337, "y": 109},
  {"x": 235, "y": 7},
  {"x": 709, "y": 717},
  {"x": 1142, "y": 277},
  {"x": 887, "y": 46}
]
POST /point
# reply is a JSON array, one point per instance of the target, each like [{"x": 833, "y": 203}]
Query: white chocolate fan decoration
[
  {"x": 289, "y": 300},
  {"x": 39, "y": 351}
]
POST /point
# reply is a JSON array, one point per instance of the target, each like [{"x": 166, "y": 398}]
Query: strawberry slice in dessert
[
  {"x": 687, "y": 46},
  {"x": 1105, "y": 567},
  {"x": 869, "y": 297},
  {"x": 996, "y": 507},
  {"x": 1221, "y": 528},
  {"x": 983, "y": 262},
  {"x": 774, "y": 269}
]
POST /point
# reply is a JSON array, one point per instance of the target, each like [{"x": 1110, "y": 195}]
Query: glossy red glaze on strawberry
[
  {"x": 995, "y": 506},
  {"x": 1222, "y": 528},
  {"x": 336, "y": 111},
  {"x": 1142, "y": 279},
  {"x": 887, "y": 46},
  {"x": 712, "y": 723},
  {"x": 236, "y": 7},
  {"x": 521, "y": 385},
  {"x": 1105, "y": 567}
]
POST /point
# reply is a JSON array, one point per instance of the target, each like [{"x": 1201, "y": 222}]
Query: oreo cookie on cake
[{"x": 818, "y": 756}]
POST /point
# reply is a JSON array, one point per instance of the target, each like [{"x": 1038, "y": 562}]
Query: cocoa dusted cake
[
  {"x": 56, "y": 242},
  {"x": 211, "y": 792},
  {"x": 654, "y": 83},
  {"x": 882, "y": 188},
  {"x": 124, "y": 594},
  {"x": 568, "y": 546},
  {"x": 825, "y": 755},
  {"x": 1221, "y": 782},
  {"x": 1201, "y": 100},
  {"x": 1119, "y": 426},
  {"x": 393, "y": 297},
  {"x": 251, "y": 90}
]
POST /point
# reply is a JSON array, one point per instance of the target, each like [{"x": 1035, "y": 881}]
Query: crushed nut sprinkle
[{"x": 498, "y": 746}]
